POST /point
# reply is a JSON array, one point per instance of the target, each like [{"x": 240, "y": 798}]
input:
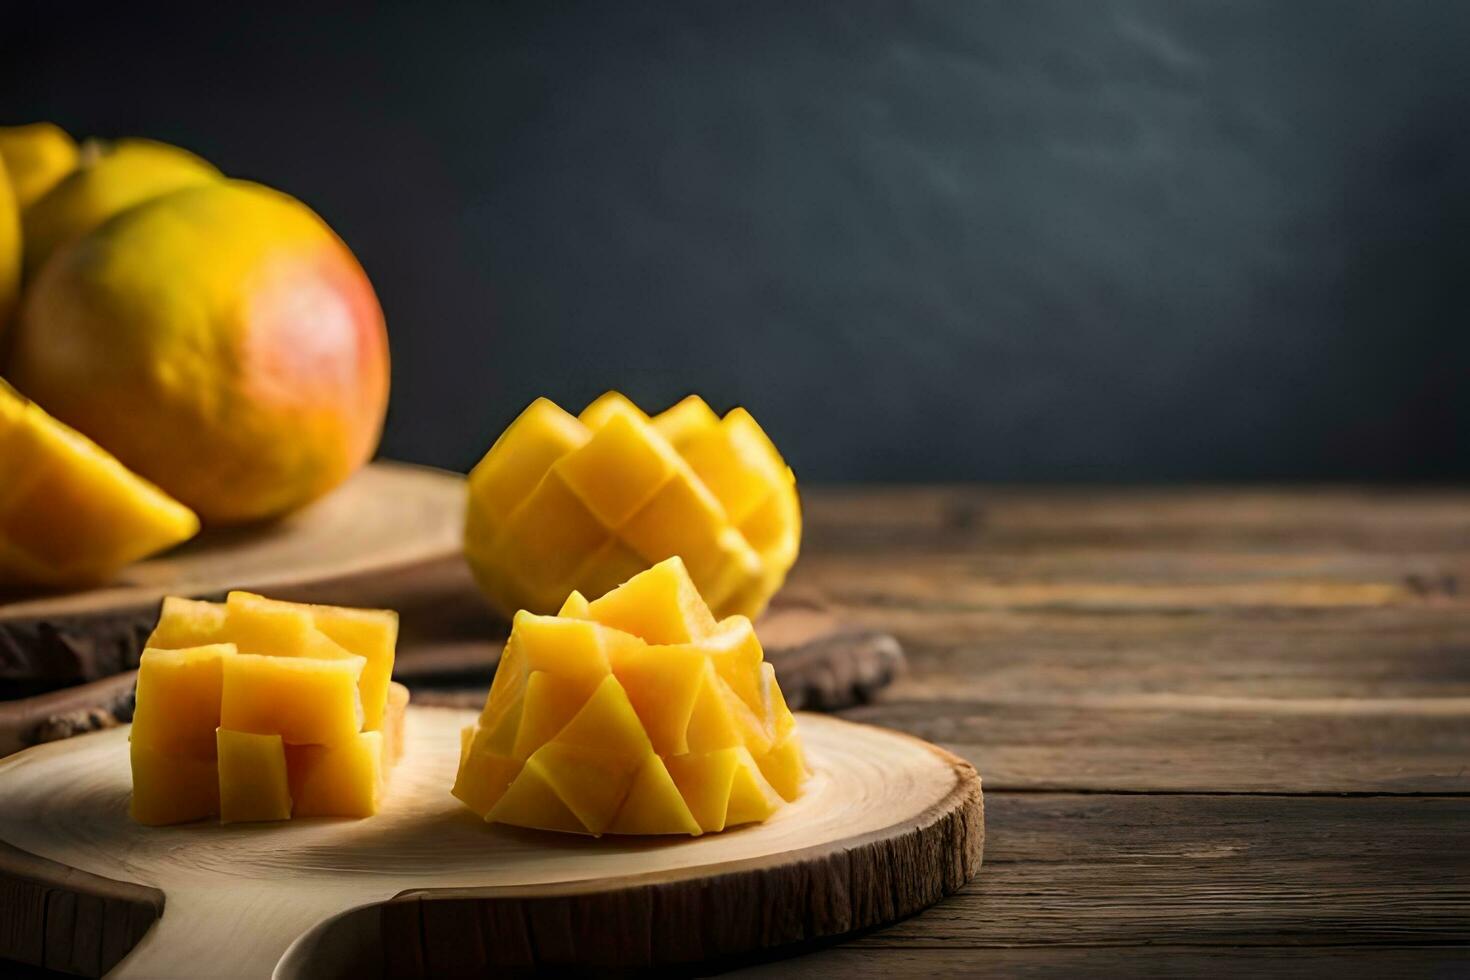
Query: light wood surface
[{"x": 886, "y": 825}]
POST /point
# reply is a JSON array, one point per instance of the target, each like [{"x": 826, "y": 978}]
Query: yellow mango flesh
[
  {"x": 253, "y": 782},
  {"x": 593, "y": 727},
  {"x": 344, "y": 779},
  {"x": 178, "y": 698},
  {"x": 304, "y": 700},
  {"x": 563, "y": 503},
  {"x": 287, "y": 710},
  {"x": 69, "y": 512}
]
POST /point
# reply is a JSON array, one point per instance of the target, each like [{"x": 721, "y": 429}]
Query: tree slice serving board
[{"x": 887, "y": 825}]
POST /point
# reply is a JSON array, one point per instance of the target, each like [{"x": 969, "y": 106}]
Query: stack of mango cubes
[
  {"x": 563, "y": 503},
  {"x": 636, "y": 713},
  {"x": 256, "y": 709}
]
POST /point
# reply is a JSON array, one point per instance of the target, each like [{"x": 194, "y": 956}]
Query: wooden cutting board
[{"x": 887, "y": 825}]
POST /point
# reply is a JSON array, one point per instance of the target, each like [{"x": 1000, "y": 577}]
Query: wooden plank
[
  {"x": 1343, "y": 963},
  {"x": 1088, "y": 870},
  {"x": 1001, "y": 654},
  {"x": 1169, "y": 745},
  {"x": 1241, "y": 519}
]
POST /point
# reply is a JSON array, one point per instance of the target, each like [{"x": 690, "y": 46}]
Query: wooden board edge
[
  {"x": 58, "y": 918},
  {"x": 815, "y": 893}
]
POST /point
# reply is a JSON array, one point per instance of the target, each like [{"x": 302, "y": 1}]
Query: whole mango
[
  {"x": 220, "y": 340},
  {"x": 108, "y": 180},
  {"x": 37, "y": 156}
]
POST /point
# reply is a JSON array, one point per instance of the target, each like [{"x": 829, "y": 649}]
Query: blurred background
[{"x": 1108, "y": 241}]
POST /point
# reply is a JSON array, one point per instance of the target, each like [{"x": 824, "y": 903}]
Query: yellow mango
[
  {"x": 660, "y": 605},
  {"x": 484, "y": 774},
  {"x": 295, "y": 629},
  {"x": 785, "y": 767},
  {"x": 188, "y": 623},
  {"x": 69, "y": 512},
  {"x": 253, "y": 781},
  {"x": 37, "y": 156},
  {"x": 607, "y": 406},
  {"x": 561, "y": 504},
  {"x": 304, "y": 700},
  {"x": 107, "y": 182},
  {"x": 178, "y": 698},
  {"x": 589, "y": 728},
  {"x": 344, "y": 779},
  {"x": 723, "y": 788},
  {"x": 653, "y": 804},
  {"x": 684, "y": 421},
  {"x": 394, "y": 720},
  {"x": 172, "y": 786},
  {"x": 521, "y": 456}
]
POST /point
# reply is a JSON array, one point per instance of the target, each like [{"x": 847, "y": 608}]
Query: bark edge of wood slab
[
  {"x": 387, "y": 518},
  {"x": 887, "y": 825}
]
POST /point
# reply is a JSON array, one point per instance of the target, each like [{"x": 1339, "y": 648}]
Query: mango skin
[
  {"x": 111, "y": 181},
  {"x": 37, "y": 156},
  {"x": 219, "y": 340},
  {"x": 10, "y": 257}
]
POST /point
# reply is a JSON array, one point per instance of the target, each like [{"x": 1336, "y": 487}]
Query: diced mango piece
[
  {"x": 591, "y": 729},
  {"x": 368, "y": 633},
  {"x": 561, "y": 504},
  {"x": 178, "y": 698},
  {"x": 344, "y": 779},
  {"x": 660, "y": 605},
  {"x": 723, "y": 788},
  {"x": 484, "y": 773},
  {"x": 685, "y": 420},
  {"x": 608, "y": 406},
  {"x": 785, "y": 767},
  {"x": 172, "y": 786},
  {"x": 532, "y": 801},
  {"x": 618, "y": 470},
  {"x": 521, "y": 456},
  {"x": 653, "y": 804},
  {"x": 575, "y": 607},
  {"x": 253, "y": 782},
  {"x": 288, "y": 708},
  {"x": 302, "y": 699},
  {"x": 188, "y": 623}
]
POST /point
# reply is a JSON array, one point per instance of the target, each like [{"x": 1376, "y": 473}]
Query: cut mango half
[{"x": 70, "y": 513}]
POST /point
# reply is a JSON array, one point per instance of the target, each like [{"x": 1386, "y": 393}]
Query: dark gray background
[{"x": 1026, "y": 240}]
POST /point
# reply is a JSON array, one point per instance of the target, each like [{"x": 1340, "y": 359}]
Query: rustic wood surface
[
  {"x": 1221, "y": 730},
  {"x": 886, "y": 825}
]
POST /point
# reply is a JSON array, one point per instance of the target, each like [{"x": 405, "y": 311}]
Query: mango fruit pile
[
  {"x": 563, "y": 503},
  {"x": 256, "y": 709},
  {"x": 636, "y": 713},
  {"x": 212, "y": 335}
]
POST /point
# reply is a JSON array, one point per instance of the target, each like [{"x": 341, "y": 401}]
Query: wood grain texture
[{"x": 886, "y": 824}]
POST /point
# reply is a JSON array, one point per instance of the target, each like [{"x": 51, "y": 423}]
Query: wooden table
[{"x": 1219, "y": 729}]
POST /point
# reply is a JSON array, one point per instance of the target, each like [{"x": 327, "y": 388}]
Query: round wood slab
[{"x": 887, "y": 825}]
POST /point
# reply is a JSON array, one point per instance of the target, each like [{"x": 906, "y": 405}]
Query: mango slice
[
  {"x": 70, "y": 513},
  {"x": 636, "y": 713},
  {"x": 563, "y": 503},
  {"x": 254, "y": 709}
]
